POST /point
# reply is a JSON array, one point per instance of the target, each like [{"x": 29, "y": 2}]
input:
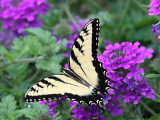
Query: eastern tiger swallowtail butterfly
[{"x": 85, "y": 79}]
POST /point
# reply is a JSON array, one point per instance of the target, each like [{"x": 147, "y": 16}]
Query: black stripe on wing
[
  {"x": 71, "y": 74},
  {"x": 46, "y": 82}
]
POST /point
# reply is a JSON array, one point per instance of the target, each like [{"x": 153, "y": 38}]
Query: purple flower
[
  {"x": 107, "y": 42},
  {"x": 135, "y": 73},
  {"x": 91, "y": 113},
  {"x": 66, "y": 66},
  {"x": 121, "y": 62},
  {"x": 154, "y": 7},
  {"x": 6, "y": 38},
  {"x": 52, "y": 106},
  {"x": 73, "y": 103},
  {"x": 114, "y": 106},
  {"x": 156, "y": 29},
  {"x": 69, "y": 45},
  {"x": 80, "y": 113},
  {"x": 66, "y": 55},
  {"x": 27, "y": 14},
  {"x": 80, "y": 24}
]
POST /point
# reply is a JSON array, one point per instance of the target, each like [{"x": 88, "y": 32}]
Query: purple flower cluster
[
  {"x": 121, "y": 62},
  {"x": 154, "y": 7},
  {"x": 90, "y": 113},
  {"x": 16, "y": 15}
]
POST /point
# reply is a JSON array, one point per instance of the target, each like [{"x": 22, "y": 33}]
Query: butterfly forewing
[{"x": 84, "y": 53}]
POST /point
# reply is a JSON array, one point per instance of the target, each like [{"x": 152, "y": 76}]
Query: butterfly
[{"x": 85, "y": 79}]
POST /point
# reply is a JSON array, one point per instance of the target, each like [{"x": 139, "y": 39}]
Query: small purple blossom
[
  {"x": 52, "y": 105},
  {"x": 154, "y": 7},
  {"x": 6, "y": 38},
  {"x": 66, "y": 66},
  {"x": 90, "y": 113},
  {"x": 66, "y": 55},
  {"x": 27, "y": 10},
  {"x": 135, "y": 73},
  {"x": 80, "y": 113},
  {"x": 107, "y": 42},
  {"x": 156, "y": 29},
  {"x": 121, "y": 62}
]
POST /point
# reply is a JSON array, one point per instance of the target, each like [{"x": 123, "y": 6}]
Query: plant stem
[
  {"x": 48, "y": 28},
  {"x": 119, "y": 30},
  {"x": 139, "y": 113},
  {"x": 34, "y": 76},
  {"x": 23, "y": 61},
  {"x": 157, "y": 95},
  {"x": 147, "y": 108},
  {"x": 70, "y": 115},
  {"x": 56, "y": 115},
  {"x": 123, "y": 14},
  {"x": 67, "y": 11},
  {"x": 70, "y": 110}
]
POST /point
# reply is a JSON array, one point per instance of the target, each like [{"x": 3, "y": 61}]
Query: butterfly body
[{"x": 85, "y": 79}]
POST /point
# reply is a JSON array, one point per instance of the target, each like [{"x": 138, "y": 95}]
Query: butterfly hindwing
[{"x": 57, "y": 86}]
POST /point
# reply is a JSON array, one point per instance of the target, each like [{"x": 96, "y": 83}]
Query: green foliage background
[{"x": 37, "y": 55}]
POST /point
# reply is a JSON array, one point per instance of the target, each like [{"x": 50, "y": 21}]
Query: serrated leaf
[
  {"x": 34, "y": 45},
  {"x": 152, "y": 76},
  {"x": 19, "y": 73},
  {"x": 8, "y": 108},
  {"x": 51, "y": 65},
  {"x": 9, "y": 103},
  {"x": 44, "y": 36},
  {"x": 35, "y": 111}
]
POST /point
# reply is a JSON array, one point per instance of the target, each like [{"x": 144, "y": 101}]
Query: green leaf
[
  {"x": 35, "y": 112},
  {"x": 155, "y": 117},
  {"x": 152, "y": 76},
  {"x": 34, "y": 45},
  {"x": 18, "y": 71},
  {"x": 8, "y": 108},
  {"x": 44, "y": 36},
  {"x": 52, "y": 64},
  {"x": 3, "y": 50}
]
